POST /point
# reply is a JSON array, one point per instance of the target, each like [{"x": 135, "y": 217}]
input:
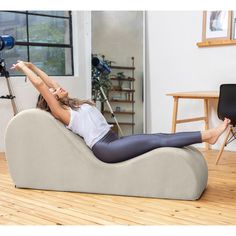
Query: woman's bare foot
[{"x": 213, "y": 134}]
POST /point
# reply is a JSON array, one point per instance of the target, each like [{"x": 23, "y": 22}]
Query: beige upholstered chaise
[{"x": 43, "y": 154}]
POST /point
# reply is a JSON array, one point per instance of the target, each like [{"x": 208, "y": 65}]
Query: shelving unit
[{"x": 121, "y": 96}]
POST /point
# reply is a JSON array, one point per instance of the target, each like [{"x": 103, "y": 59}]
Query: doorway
[{"x": 118, "y": 37}]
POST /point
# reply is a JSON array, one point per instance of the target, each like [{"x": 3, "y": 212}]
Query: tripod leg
[
  {"x": 223, "y": 145},
  {"x": 13, "y": 99},
  {"x": 109, "y": 106}
]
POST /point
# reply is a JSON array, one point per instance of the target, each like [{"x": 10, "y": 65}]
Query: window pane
[
  {"x": 49, "y": 30},
  {"x": 41, "y": 29},
  {"x": 11, "y": 56},
  {"x": 54, "y": 61},
  {"x": 14, "y": 25},
  {"x": 52, "y": 13}
]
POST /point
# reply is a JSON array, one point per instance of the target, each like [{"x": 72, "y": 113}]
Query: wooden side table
[{"x": 204, "y": 95}]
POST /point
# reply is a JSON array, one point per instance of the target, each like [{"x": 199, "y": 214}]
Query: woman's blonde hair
[{"x": 73, "y": 103}]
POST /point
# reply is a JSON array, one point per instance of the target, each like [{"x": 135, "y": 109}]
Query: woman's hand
[
  {"x": 18, "y": 66},
  {"x": 28, "y": 64}
]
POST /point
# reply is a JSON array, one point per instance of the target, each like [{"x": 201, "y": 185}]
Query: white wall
[
  {"x": 177, "y": 64},
  {"x": 78, "y": 85}
]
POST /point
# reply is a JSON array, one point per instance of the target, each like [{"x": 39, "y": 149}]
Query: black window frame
[{"x": 39, "y": 44}]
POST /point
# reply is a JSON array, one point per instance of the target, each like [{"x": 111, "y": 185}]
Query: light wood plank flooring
[{"x": 37, "y": 207}]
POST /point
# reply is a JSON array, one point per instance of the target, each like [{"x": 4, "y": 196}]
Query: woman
[{"x": 82, "y": 117}]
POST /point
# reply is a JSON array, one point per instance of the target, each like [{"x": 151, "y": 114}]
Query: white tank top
[{"x": 89, "y": 123}]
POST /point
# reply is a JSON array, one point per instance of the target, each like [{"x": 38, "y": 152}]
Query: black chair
[{"x": 227, "y": 109}]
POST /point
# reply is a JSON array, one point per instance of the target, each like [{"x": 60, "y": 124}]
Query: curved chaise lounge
[{"x": 43, "y": 154}]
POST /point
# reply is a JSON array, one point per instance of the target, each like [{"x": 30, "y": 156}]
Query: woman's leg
[
  {"x": 111, "y": 149},
  {"x": 116, "y": 150},
  {"x": 211, "y": 136}
]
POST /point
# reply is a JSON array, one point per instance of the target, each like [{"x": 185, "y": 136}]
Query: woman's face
[{"x": 59, "y": 93}]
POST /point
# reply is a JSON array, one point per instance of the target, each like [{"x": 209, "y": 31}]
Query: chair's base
[{"x": 227, "y": 140}]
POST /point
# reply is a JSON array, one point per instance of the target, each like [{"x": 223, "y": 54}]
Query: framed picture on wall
[
  {"x": 233, "y": 25},
  {"x": 216, "y": 25}
]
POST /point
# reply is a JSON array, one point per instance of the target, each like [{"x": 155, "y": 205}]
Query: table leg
[
  {"x": 174, "y": 116},
  {"x": 206, "y": 114}
]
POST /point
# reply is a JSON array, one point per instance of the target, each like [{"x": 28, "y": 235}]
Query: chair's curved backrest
[{"x": 227, "y": 103}]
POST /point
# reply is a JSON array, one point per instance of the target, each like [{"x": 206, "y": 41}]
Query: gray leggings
[{"x": 112, "y": 149}]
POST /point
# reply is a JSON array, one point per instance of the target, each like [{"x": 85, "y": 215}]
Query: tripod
[
  {"x": 108, "y": 104},
  {"x": 5, "y": 73}
]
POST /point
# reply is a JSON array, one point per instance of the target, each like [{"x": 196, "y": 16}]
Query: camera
[{"x": 6, "y": 42}]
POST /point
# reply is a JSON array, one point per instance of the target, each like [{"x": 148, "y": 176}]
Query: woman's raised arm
[
  {"x": 47, "y": 80},
  {"x": 57, "y": 111}
]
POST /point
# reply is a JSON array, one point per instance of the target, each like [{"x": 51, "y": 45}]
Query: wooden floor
[{"x": 36, "y": 207}]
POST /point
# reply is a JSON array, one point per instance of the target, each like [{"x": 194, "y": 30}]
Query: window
[{"x": 42, "y": 37}]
